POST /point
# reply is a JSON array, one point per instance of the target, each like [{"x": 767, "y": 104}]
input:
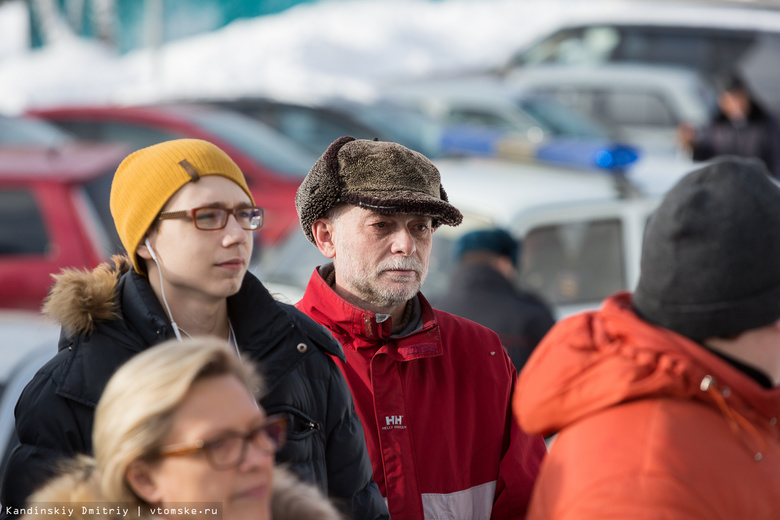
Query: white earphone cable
[{"x": 162, "y": 291}]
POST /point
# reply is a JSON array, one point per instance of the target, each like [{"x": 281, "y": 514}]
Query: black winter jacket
[
  {"x": 480, "y": 293},
  {"x": 758, "y": 137},
  {"x": 54, "y": 414}
]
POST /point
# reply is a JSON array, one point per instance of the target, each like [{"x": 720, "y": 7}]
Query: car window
[
  {"x": 22, "y": 230},
  {"x": 135, "y": 136},
  {"x": 485, "y": 118},
  {"x": 583, "y": 100},
  {"x": 613, "y": 107},
  {"x": 708, "y": 50},
  {"x": 650, "y": 46},
  {"x": 562, "y": 120},
  {"x": 28, "y": 131},
  {"x": 316, "y": 129},
  {"x": 257, "y": 140},
  {"x": 642, "y": 108},
  {"x": 403, "y": 125},
  {"x": 705, "y": 49},
  {"x": 575, "y": 46},
  {"x": 98, "y": 192},
  {"x": 574, "y": 262}
]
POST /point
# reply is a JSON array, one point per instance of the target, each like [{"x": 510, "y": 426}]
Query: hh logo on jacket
[{"x": 394, "y": 421}]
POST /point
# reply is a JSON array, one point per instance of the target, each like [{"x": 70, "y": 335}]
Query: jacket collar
[
  {"x": 142, "y": 310},
  {"x": 261, "y": 322},
  {"x": 360, "y": 326}
]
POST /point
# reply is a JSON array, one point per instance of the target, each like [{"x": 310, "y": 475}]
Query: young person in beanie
[
  {"x": 433, "y": 390},
  {"x": 666, "y": 401},
  {"x": 482, "y": 288},
  {"x": 185, "y": 215}
]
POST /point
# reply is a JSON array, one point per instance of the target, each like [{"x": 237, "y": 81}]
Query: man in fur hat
[{"x": 432, "y": 389}]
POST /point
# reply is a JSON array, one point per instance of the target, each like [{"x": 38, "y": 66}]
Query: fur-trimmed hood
[
  {"x": 79, "y": 297},
  {"x": 78, "y": 485},
  {"x": 65, "y": 496},
  {"x": 294, "y": 499}
]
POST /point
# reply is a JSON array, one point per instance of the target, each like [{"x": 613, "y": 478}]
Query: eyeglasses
[
  {"x": 207, "y": 219},
  {"x": 229, "y": 451}
]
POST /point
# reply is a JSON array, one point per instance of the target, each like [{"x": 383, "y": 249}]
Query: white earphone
[{"x": 151, "y": 251}]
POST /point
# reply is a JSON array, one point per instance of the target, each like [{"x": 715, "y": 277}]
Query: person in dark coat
[
  {"x": 482, "y": 289},
  {"x": 741, "y": 126},
  {"x": 186, "y": 276}
]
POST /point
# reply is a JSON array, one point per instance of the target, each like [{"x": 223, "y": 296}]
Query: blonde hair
[{"x": 135, "y": 411}]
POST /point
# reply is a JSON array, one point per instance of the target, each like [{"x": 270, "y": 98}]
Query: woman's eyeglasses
[
  {"x": 229, "y": 450},
  {"x": 207, "y": 219}
]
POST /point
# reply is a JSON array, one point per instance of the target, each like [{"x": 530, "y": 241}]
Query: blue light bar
[{"x": 588, "y": 154}]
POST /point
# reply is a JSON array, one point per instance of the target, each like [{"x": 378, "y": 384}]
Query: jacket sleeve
[
  {"x": 349, "y": 467},
  {"x": 702, "y": 147},
  {"x": 49, "y": 428},
  {"x": 518, "y": 469}
]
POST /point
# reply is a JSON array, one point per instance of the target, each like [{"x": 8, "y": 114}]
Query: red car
[
  {"x": 273, "y": 164},
  {"x": 54, "y": 213}
]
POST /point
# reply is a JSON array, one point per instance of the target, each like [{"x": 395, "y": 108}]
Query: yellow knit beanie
[{"x": 147, "y": 178}]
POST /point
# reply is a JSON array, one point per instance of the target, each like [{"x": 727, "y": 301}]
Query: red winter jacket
[
  {"x": 652, "y": 425},
  {"x": 436, "y": 411}
]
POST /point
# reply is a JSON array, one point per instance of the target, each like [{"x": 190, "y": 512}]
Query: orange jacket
[{"x": 652, "y": 425}]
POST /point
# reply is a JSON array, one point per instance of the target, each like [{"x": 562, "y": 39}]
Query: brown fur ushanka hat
[{"x": 375, "y": 175}]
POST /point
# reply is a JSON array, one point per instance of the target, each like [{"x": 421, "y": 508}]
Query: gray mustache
[{"x": 401, "y": 264}]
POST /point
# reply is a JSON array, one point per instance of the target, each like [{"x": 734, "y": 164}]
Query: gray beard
[{"x": 370, "y": 292}]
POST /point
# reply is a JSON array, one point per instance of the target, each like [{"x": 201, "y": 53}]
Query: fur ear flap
[{"x": 80, "y": 298}]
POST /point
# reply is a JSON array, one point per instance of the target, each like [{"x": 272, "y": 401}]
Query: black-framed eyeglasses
[
  {"x": 229, "y": 450},
  {"x": 208, "y": 219}
]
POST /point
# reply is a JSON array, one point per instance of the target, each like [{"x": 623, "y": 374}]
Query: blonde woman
[{"x": 178, "y": 433}]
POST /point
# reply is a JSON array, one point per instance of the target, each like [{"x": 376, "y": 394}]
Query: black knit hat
[
  {"x": 376, "y": 175},
  {"x": 497, "y": 241},
  {"x": 711, "y": 253}
]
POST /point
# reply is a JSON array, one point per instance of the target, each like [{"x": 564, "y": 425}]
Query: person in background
[
  {"x": 178, "y": 426},
  {"x": 666, "y": 400},
  {"x": 184, "y": 213},
  {"x": 741, "y": 126},
  {"x": 482, "y": 288},
  {"x": 432, "y": 389}
]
